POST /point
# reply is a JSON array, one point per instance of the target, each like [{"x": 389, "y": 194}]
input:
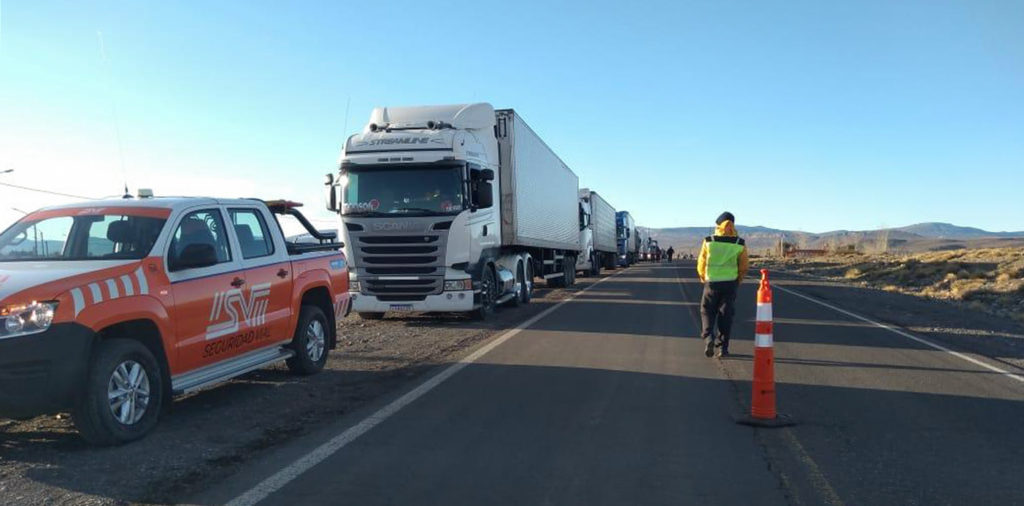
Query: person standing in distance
[{"x": 721, "y": 266}]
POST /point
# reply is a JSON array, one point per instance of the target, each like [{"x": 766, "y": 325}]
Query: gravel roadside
[{"x": 213, "y": 433}]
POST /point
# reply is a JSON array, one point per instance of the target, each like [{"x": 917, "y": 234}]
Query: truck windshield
[
  {"x": 97, "y": 237},
  {"x": 404, "y": 190}
]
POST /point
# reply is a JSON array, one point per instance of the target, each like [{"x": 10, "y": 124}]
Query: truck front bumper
[
  {"x": 454, "y": 302},
  {"x": 42, "y": 373}
]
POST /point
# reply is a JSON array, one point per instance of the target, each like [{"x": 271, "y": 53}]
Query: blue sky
[{"x": 800, "y": 115}]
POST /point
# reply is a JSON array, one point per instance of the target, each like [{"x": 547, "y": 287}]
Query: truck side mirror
[
  {"x": 330, "y": 193},
  {"x": 484, "y": 195}
]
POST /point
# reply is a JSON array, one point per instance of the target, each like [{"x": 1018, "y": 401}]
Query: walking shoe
[
  {"x": 709, "y": 348},
  {"x": 723, "y": 353}
]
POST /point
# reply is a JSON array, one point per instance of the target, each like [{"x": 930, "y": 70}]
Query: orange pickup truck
[{"x": 110, "y": 308}]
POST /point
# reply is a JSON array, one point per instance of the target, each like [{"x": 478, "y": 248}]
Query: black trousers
[{"x": 717, "y": 307}]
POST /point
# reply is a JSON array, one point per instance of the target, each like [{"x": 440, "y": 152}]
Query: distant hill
[
  {"x": 912, "y": 238},
  {"x": 950, "y": 231}
]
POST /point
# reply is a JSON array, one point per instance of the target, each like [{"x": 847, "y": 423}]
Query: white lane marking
[
  {"x": 97, "y": 296},
  {"x": 907, "y": 335},
  {"x": 112, "y": 288},
  {"x": 76, "y": 295},
  {"x": 129, "y": 287},
  {"x": 322, "y": 452}
]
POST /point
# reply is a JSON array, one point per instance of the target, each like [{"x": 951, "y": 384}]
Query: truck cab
[
  {"x": 626, "y": 234},
  {"x": 431, "y": 203},
  {"x": 110, "y": 308},
  {"x": 587, "y": 261}
]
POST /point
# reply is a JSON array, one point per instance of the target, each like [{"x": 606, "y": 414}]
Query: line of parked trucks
[
  {"x": 461, "y": 208},
  {"x": 110, "y": 308}
]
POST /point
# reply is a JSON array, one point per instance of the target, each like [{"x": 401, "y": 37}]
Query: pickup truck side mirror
[
  {"x": 194, "y": 256},
  {"x": 330, "y": 193}
]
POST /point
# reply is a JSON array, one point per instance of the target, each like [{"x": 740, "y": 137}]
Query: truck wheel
[
  {"x": 520, "y": 281},
  {"x": 371, "y": 316},
  {"x": 526, "y": 289},
  {"x": 122, "y": 395},
  {"x": 595, "y": 266},
  {"x": 488, "y": 287},
  {"x": 310, "y": 342}
]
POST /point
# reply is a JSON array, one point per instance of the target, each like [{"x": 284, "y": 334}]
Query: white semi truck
[
  {"x": 454, "y": 208},
  {"x": 597, "y": 234}
]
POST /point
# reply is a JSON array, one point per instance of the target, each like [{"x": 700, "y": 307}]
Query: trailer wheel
[
  {"x": 488, "y": 287},
  {"x": 570, "y": 272},
  {"x": 520, "y": 281},
  {"x": 527, "y": 288}
]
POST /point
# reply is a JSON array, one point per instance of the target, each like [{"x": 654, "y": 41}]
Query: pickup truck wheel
[
  {"x": 372, "y": 316},
  {"x": 488, "y": 287},
  {"x": 122, "y": 395},
  {"x": 310, "y": 342}
]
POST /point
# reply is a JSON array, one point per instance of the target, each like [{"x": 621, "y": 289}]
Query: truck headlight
[
  {"x": 353, "y": 286},
  {"x": 458, "y": 285},
  {"x": 24, "y": 319}
]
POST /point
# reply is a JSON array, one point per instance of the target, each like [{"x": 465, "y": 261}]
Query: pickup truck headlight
[
  {"x": 25, "y": 319},
  {"x": 458, "y": 285}
]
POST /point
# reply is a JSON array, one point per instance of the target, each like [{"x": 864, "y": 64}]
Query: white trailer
[
  {"x": 597, "y": 233},
  {"x": 452, "y": 209}
]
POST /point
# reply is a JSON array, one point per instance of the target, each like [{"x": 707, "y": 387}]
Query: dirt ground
[
  {"x": 212, "y": 433},
  {"x": 956, "y": 324},
  {"x": 982, "y": 280}
]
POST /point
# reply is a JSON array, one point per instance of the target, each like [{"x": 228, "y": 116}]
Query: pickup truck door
[
  {"x": 268, "y": 269},
  {"x": 208, "y": 286}
]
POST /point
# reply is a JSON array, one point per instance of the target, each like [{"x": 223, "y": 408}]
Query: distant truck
[
  {"x": 651, "y": 250},
  {"x": 597, "y": 234},
  {"x": 627, "y": 239},
  {"x": 454, "y": 208},
  {"x": 109, "y": 308},
  {"x": 643, "y": 242}
]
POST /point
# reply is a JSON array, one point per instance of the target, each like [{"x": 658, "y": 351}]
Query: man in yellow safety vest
[{"x": 721, "y": 266}]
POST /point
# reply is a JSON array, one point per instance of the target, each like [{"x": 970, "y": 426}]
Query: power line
[{"x": 46, "y": 191}]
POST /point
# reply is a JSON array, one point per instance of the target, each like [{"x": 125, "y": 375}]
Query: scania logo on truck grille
[
  {"x": 392, "y": 226},
  {"x": 399, "y": 140}
]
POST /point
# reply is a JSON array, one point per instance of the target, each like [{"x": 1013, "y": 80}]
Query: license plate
[{"x": 401, "y": 307}]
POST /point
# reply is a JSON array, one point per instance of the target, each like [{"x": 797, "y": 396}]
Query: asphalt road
[{"x": 608, "y": 399}]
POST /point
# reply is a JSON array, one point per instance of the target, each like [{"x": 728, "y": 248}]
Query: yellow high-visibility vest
[{"x": 723, "y": 258}]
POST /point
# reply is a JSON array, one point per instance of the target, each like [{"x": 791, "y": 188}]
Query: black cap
[{"x": 726, "y": 216}]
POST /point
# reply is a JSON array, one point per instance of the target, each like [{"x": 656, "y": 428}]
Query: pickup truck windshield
[
  {"x": 106, "y": 237},
  {"x": 404, "y": 190}
]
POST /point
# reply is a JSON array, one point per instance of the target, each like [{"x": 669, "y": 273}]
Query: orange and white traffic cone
[{"x": 762, "y": 398}]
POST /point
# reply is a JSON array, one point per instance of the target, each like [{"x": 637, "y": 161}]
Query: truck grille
[{"x": 400, "y": 267}]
